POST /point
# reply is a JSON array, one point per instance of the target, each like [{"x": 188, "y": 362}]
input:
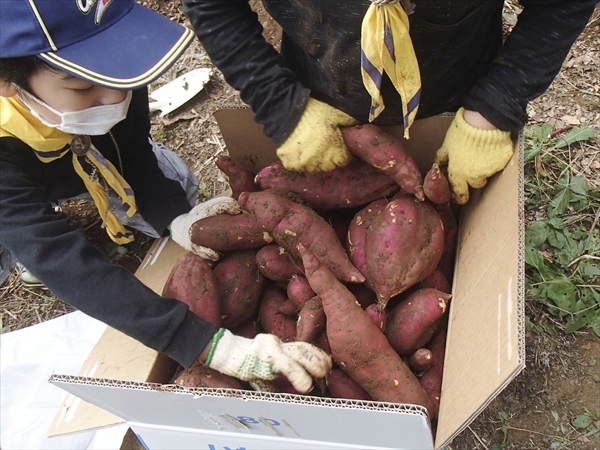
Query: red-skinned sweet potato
[
  {"x": 271, "y": 320},
  {"x": 342, "y": 386},
  {"x": 357, "y": 345},
  {"x": 437, "y": 280},
  {"x": 378, "y": 316},
  {"x": 311, "y": 320},
  {"x": 240, "y": 180},
  {"x": 446, "y": 264},
  {"x": 229, "y": 232},
  {"x": 420, "y": 360},
  {"x": 240, "y": 284},
  {"x": 291, "y": 223},
  {"x": 397, "y": 246},
  {"x": 412, "y": 323},
  {"x": 358, "y": 231},
  {"x": 299, "y": 290},
  {"x": 321, "y": 341},
  {"x": 201, "y": 376},
  {"x": 431, "y": 380},
  {"x": 192, "y": 281},
  {"x": 277, "y": 264},
  {"x": 436, "y": 186},
  {"x": 354, "y": 185},
  {"x": 249, "y": 329},
  {"x": 387, "y": 153}
]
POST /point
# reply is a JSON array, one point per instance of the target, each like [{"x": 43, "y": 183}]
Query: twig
[
  {"x": 534, "y": 432},
  {"x": 579, "y": 89},
  {"x": 559, "y": 131},
  {"x": 478, "y": 438}
]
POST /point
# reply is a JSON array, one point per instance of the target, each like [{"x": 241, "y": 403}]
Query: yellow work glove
[
  {"x": 316, "y": 144},
  {"x": 472, "y": 155}
]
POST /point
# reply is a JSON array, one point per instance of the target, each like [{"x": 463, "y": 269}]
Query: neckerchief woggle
[
  {"x": 50, "y": 144},
  {"x": 386, "y": 46}
]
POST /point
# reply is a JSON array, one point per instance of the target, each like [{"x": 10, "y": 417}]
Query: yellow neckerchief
[
  {"x": 50, "y": 144},
  {"x": 386, "y": 46}
]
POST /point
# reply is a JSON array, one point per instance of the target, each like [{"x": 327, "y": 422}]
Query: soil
[{"x": 537, "y": 409}]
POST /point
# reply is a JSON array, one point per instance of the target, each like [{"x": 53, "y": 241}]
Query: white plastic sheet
[{"x": 28, "y": 403}]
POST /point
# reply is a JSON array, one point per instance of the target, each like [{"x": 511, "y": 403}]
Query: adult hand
[
  {"x": 265, "y": 357},
  {"x": 316, "y": 144},
  {"x": 180, "y": 227},
  {"x": 472, "y": 155}
]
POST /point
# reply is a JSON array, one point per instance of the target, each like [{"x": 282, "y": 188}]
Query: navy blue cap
[{"x": 118, "y": 44}]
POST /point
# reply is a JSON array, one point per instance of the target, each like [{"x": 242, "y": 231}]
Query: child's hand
[
  {"x": 265, "y": 357},
  {"x": 180, "y": 227}
]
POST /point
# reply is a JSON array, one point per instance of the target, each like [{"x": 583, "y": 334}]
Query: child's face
[{"x": 66, "y": 93}]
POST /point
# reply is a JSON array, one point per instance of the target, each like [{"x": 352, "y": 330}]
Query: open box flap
[
  {"x": 118, "y": 356},
  {"x": 285, "y": 417}
]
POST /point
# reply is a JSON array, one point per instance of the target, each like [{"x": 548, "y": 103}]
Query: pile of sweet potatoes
[{"x": 357, "y": 261}]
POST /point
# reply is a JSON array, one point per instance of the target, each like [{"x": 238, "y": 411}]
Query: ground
[{"x": 560, "y": 383}]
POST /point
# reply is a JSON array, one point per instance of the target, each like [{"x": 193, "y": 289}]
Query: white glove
[
  {"x": 181, "y": 225},
  {"x": 265, "y": 357}
]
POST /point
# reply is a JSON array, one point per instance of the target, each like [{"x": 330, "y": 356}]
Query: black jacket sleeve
[
  {"x": 458, "y": 45},
  {"x": 529, "y": 60},
  {"x": 63, "y": 259}
]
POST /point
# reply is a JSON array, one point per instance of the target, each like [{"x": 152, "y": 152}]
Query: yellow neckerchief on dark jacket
[
  {"x": 50, "y": 144},
  {"x": 386, "y": 46}
]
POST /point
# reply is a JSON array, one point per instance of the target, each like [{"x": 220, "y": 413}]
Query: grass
[{"x": 562, "y": 251}]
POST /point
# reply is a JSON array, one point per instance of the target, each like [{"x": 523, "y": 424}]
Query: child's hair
[{"x": 18, "y": 70}]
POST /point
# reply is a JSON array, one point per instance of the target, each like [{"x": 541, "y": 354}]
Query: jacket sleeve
[
  {"x": 529, "y": 61},
  {"x": 77, "y": 273},
  {"x": 231, "y": 34}
]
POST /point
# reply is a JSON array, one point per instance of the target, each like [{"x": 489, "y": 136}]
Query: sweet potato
[
  {"x": 227, "y": 232},
  {"x": 431, "y": 380},
  {"x": 354, "y": 185},
  {"x": 201, "y": 376},
  {"x": 240, "y": 285},
  {"x": 291, "y": 223},
  {"x": 437, "y": 280},
  {"x": 357, "y": 345},
  {"x": 420, "y": 360},
  {"x": 342, "y": 386},
  {"x": 321, "y": 341},
  {"x": 385, "y": 152},
  {"x": 272, "y": 321},
  {"x": 240, "y": 180},
  {"x": 311, "y": 320},
  {"x": 249, "y": 329},
  {"x": 398, "y": 246},
  {"x": 436, "y": 186},
  {"x": 412, "y": 323},
  {"x": 358, "y": 231},
  {"x": 192, "y": 281},
  {"x": 364, "y": 295},
  {"x": 448, "y": 216},
  {"x": 378, "y": 316},
  {"x": 277, "y": 264},
  {"x": 299, "y": 290}
]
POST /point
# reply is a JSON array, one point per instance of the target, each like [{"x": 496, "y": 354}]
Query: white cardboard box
[{"x": 485, "y": 349}]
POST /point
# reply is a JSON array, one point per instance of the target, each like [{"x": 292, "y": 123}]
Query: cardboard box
[{"x": 485, "y": 347}]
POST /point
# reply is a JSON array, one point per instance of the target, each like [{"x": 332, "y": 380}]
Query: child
[{"x": 74, "y": 120}]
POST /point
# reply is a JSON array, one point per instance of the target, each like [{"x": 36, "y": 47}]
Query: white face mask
[{"x": 94, "y": 121}]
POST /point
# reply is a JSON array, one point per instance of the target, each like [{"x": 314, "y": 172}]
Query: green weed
[{"x": 562, "y": 245}]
